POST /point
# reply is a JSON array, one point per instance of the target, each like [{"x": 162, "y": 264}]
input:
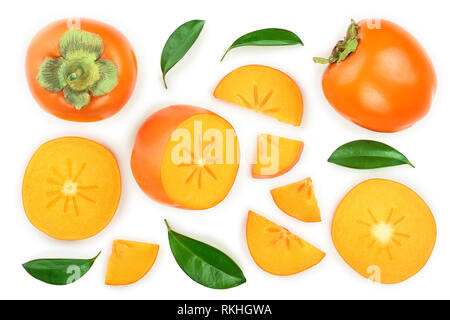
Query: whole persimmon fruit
[
  {"x": 81, "y": 70},
  {"x": 379, "y": 77}
]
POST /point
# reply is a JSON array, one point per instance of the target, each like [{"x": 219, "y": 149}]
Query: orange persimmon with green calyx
[
  {"x": 265, "y": 90},
  {"x": 276, "y": 250},
  {"x": 71, "y": 188},
  {"x": 379, "y": 77},
  {"x": 275, "y": 156},
  {"x": 81, "y": 70},
  {"x": 384, "y": 231},
  {"x": 298, "y": 200},
  {"x": 130, "y": 261},
  {"x": 186, "y": 157}
]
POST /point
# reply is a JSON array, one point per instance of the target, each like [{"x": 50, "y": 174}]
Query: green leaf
[
  {"x": 178, "y": 44},
  {"x": 204, "y": 264},
  {"x": 78, "y": 42},
  {"x": 266, "y": 37},
  {"x": 49, "y": 76},
  {"x": 59, "y": 271},
  {"x": 78, "y": 99},
  {"x": 367, "y": 154},
  {"x": 109, "y": 78}
]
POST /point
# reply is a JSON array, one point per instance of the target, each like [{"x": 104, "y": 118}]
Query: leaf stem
[
  {"x": 167, "y": 225},
  {"x": 225, "y": 54}
]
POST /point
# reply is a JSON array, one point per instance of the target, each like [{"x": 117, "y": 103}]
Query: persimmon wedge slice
[
  {"x": 71, "y": 188},
  {"x": 298, "y": 200},
  {"x": 275, "y": 156},
  {"x": 265, "y": 90},
  {"x": 130, "y": 261},
  {"x": 278, "y": 251},
  {"x": 384, "y": 231},
  {"x": 186, "y": 157}
]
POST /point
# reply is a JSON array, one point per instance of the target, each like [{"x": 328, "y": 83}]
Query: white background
[{"x": 147, "y": 24}]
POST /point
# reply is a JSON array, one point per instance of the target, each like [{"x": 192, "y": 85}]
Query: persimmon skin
[
  {"x": 387, "y": 84},
  {"x": 116, "y": 48}
]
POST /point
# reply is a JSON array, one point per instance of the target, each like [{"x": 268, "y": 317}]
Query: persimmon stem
[{"x": 344, "y": 47}]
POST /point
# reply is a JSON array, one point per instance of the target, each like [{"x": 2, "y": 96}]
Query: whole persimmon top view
[
  {"x": 379, "y": 77},
  {"x": 82, "y": 72}
]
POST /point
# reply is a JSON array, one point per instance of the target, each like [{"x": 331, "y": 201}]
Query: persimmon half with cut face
[
  {"x": 81, "y": 70},
  {"x": 379, "y": 77},
  {"x": 265, "y": 90},
  {"x": 384, "y": 231},
  {"x": 186, "y": 157}
]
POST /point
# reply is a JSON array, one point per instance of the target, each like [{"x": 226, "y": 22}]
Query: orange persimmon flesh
[
  {"x": 275, "y": 156},
  {"x": 186, "y": 156},
  {"x": 71, "y": 188},
  {"x": 130, "y": 261},
  {"x": 298, "y": 200},
  {"x": 265, "y": 90},
  {"x": 278, "y": 251},
  {"x": 384, "y": 231}
]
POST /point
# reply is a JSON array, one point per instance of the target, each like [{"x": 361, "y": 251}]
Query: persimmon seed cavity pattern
[
  {"x": 383, "y": 232},
  {"x": 64, "y": 185}
]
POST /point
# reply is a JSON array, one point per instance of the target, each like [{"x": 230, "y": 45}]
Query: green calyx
[
  {"x": 79, "y": 72},
  {"x": 344, "y": 47}
]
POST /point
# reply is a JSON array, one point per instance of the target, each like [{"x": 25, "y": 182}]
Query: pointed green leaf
[
  {"x": 78, "y": 99},
  {"x": 109, "y": 78},
  {"x": 178, "y": 44},
  {"x": 59, "y": 271},
  {"x": 367, "y": 154},
  {"x": 266, "y": 37},
  {"x": 203, "y": 263},
  {"x": 78, "y": 42},
  {"x": 49, "y": 76}
]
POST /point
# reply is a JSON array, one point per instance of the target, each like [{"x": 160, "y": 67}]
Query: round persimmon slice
[
  {"x": 130, "y": 261},
  {"x": 275, "y": 156},
  {"x": 278, "y": 251},
  {"x": 71, "y": 188},
  {"x": 265, "y": 90},
  {"x": 384, "y": 231},
  {"x": 198, "y": 172}
]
